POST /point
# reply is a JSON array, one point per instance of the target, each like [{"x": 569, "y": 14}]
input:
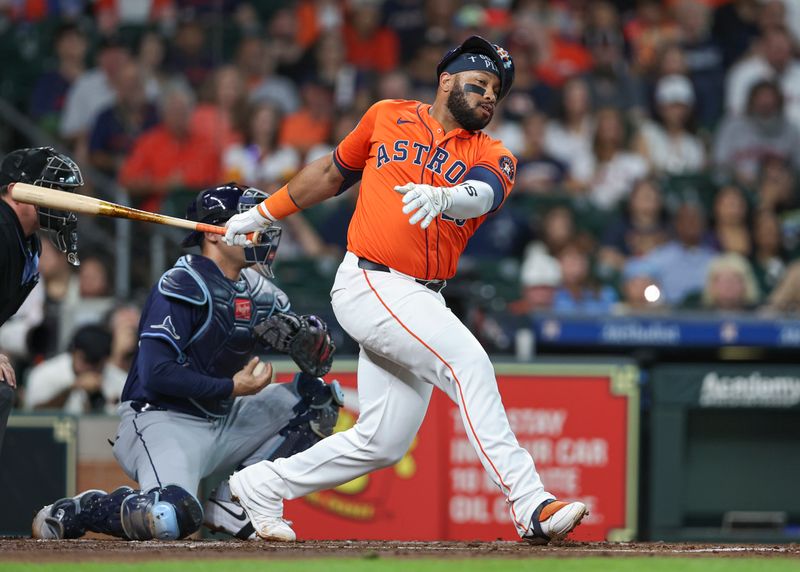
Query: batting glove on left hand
[
  {"x": 428, "y": 201},
  {"x": 239, "y": 225}
]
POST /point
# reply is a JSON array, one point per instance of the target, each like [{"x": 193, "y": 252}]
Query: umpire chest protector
[{"x": 226, "y": 311}]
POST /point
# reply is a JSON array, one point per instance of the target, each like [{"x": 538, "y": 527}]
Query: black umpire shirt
[{"x": 19, "y": 263}]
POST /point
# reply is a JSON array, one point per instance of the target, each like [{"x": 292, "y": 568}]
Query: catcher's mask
[
  {"x": 216, "y": 205},
  {"x": 476, "y": 45},
  {"x": 46, "y": 167}
]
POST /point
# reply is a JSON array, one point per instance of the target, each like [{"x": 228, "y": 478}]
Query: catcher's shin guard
[
  {"x": 162, "y": 514},
  {"x": 167, "y": 513}
]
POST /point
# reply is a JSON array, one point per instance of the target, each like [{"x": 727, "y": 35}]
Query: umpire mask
[
  {"x": 46, "y": 167},
  {"x": 216, "y": 205}
]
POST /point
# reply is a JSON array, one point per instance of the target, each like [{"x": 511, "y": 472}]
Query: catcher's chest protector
[{"x": 226, "y": 312}]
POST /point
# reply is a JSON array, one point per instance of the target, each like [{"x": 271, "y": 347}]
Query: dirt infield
[{"x": 28, "y": 550}]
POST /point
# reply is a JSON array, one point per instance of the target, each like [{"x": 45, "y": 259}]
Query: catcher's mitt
[{"x": 304, "y": 338}]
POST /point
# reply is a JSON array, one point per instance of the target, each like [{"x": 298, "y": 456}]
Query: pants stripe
[
  {"x": 461, "y": 393},
  {"x": 146, "y": 450}
]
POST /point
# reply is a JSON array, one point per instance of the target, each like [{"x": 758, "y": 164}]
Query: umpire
[{"x": 19, "y": 244}]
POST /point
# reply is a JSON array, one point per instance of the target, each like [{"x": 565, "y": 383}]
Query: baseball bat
[{"x": 62, "y": 200}]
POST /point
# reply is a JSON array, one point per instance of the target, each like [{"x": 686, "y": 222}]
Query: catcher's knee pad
[
  {"x": 167, "y": 513},
  {"x": 317, "y": 412}
]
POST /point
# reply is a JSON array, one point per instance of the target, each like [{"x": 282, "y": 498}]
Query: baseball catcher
[{"x": 196, "y": 401}]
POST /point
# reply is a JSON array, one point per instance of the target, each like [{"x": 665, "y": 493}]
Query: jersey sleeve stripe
[
  {"x": 486, "y": 175},
  {"x": 351, "y": 176},
  {"x": 341, "y": 163}
]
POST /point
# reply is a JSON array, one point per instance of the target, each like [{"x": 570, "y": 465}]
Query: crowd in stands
[{"x": 658, "y": 141}]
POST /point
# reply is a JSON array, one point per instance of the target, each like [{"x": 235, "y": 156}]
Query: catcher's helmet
[
  {"x": 46, "y": 167},
  {"x": 478, "y": 45},
  {"x": 217, "y": 204}
]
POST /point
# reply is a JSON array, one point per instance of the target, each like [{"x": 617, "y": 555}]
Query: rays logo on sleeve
[{"x": 167, "y": 326}]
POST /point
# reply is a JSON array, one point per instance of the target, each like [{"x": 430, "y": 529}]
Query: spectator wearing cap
[
  {"x": 94, "y": 91},
  {"x": 772, "y": 60},
  {"x": 75, "y": 381},
  {"x": 743, "y": 143},
  {"x": 668, "y": 143},
  {"x": 50, "y": 93},
  {"x": 540, "y": 276}
]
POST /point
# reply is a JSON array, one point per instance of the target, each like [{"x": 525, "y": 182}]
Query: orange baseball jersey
[{"x": 398, "y": 142}]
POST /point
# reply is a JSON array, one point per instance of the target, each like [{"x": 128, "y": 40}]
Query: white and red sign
[{"x": 576, "y": 426}]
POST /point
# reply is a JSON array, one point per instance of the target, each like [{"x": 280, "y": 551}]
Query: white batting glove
[
  {"x": 239, "y": 225},
  {"x": 428, "y": 202}
]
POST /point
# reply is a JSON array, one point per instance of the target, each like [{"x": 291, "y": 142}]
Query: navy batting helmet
[
  {"x": 498, "y": 56},
  {"x": 217, "y": 204},
  {"x": 46, "y": 167}
]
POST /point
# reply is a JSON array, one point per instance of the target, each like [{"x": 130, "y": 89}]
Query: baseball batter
[
  {"x": 195, "y": 401},
  {"x": 429, "y": 178}
]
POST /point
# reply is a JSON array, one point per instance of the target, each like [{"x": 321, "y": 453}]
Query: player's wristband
[{"x": 278, "y": 205}]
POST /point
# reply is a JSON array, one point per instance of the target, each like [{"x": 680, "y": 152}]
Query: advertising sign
[{"x": 580, "y": 423}]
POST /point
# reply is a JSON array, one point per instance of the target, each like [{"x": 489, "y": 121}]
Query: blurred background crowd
[{"x": 658, "y": 146}]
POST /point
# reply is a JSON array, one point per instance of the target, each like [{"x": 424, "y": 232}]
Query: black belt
[
  {"x": 435, "y": 285},
  {"x": 140, "y": 406}
]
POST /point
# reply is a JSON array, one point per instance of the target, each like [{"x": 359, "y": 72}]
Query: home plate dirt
[{"x": 28, "y": 550}]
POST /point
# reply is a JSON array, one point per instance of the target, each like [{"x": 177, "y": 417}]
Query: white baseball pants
[{"x": 410, "y": 342}]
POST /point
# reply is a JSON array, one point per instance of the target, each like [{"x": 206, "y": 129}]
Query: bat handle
[{"x": 216, "y": 229}]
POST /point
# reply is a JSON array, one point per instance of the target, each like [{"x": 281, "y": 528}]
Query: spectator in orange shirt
[
  {"x": 170, "y": 157},
  {"x": 371, "y": 47},
  {"x": 312, "y": 123}
]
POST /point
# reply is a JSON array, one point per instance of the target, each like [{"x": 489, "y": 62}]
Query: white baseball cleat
[
  {"x": 222, "y": 514},
  {"x": 554, "y": 520},
  {"x": 267, "y": 527}
]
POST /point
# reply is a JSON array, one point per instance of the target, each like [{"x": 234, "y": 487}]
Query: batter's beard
[{"x": 465, "y": 114}]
